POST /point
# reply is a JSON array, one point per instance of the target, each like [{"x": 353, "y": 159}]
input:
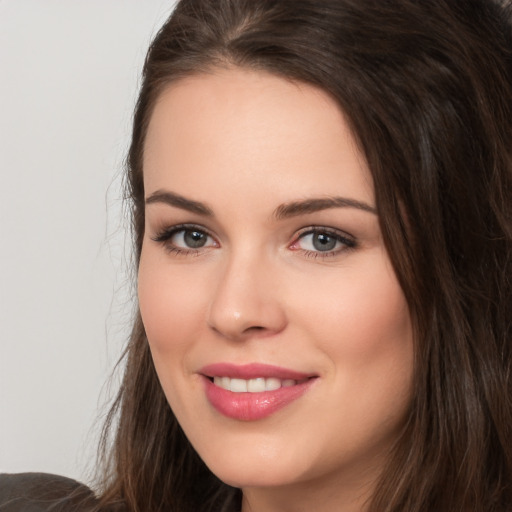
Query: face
[{"x": 278, "y": 329}]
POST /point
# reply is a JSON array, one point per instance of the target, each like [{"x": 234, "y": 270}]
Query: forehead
[{"x": 255, "y": 129}]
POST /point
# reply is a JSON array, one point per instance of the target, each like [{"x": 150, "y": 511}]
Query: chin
[
  {"x": 261, "y": 466},
  {"x": 255, "y": 475}
]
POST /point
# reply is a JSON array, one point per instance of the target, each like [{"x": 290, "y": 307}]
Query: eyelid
[
  {"x": 348, "y": 241},
  {"x": 165, "y": 235}
]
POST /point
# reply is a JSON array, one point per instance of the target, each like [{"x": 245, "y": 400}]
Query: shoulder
[{"x": 41, "y": 492}]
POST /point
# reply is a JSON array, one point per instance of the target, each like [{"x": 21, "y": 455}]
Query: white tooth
[
  {"x": 272, "y": 384},
  {"x": 238, "y": 386},
  {"x": 218, "y": 381},
  {"x": 288, "y": 382},
  {"x": 225, "y": 383},
  {"x": 256, "y": 385}
]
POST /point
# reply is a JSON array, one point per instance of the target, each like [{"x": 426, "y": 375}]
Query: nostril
[{"x": 254, "y": 328}]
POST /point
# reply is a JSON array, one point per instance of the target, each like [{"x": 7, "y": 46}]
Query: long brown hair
[{"x": 427, "y": 89}]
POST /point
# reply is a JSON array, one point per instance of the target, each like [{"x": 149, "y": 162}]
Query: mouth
[
  {"x": 255, "y": 391},
  {"x": 257, "y": 385}
]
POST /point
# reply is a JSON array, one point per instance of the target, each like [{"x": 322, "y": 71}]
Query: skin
[{"x": 244, "y": 143}]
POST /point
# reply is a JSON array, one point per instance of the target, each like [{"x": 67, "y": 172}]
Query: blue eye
[
  {"x": 183, "y": 238},
  {"x": 190, "y": 239},
  {"x": 319, "y": 242},
  {"x": 323, "y": 242}
]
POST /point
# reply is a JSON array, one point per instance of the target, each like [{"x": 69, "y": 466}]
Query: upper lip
[{"x": 252, "y": 371}]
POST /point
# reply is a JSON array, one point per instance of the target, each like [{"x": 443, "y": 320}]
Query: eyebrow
[
  {"x": 306, "y": 206},
  {"x": 284, "y": 211},
  {"x": 172, "y": 199}
]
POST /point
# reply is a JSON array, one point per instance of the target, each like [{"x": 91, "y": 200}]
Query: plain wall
[{"x": 69, "y": 73}]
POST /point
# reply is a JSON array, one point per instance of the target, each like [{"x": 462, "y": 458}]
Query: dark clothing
[{"x": 41, "y": 492}]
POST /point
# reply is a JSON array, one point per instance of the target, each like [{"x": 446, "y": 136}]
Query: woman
[{"x": 323, "y": 228}]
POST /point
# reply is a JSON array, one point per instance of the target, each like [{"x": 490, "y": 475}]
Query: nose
[{"x": 246, "y": 301}]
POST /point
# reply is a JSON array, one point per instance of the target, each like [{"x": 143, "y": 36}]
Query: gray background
[{"x": 69, "y": 73}]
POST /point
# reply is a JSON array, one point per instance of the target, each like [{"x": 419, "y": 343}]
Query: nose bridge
[{"x": 244, "y": 300}]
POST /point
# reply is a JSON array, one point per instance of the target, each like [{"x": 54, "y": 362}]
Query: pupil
[
  {"x": 323, "y": 242},
  {"x": 194, "y": 239}
]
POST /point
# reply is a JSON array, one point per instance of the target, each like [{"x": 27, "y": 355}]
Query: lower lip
[{"x": 253, "y": 406}]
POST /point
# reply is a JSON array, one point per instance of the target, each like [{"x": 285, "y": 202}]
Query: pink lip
[
  {"x": 253, "y": 406},
  {"x": 252, "y": 371}
]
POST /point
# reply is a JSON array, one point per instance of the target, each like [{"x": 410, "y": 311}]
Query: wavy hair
[{"x": 427, "y": 89}]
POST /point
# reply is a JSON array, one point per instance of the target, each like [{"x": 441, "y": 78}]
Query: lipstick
[{"x": 253, "y": 391}]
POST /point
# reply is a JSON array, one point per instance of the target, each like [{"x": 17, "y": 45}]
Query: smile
[
  {"x": 253, "y": 392},
  {"x": 257, "y": 385}
]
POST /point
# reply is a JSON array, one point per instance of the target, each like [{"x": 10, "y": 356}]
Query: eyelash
[
  {"x": 347, "y": 241},
  {"x": 165, "y": 236}
]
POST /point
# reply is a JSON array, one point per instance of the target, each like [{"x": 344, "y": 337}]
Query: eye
[
  {"x": 322, "y": 242},
  {"x": 189, "y": 239},
  {"x": 185, "y": 239}
]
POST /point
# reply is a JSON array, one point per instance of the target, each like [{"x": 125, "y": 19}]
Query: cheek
[
  {"x": 360, "y": 312},
  {"x": 171, "y": 302},
  {"x": 361, "y": 321}
]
